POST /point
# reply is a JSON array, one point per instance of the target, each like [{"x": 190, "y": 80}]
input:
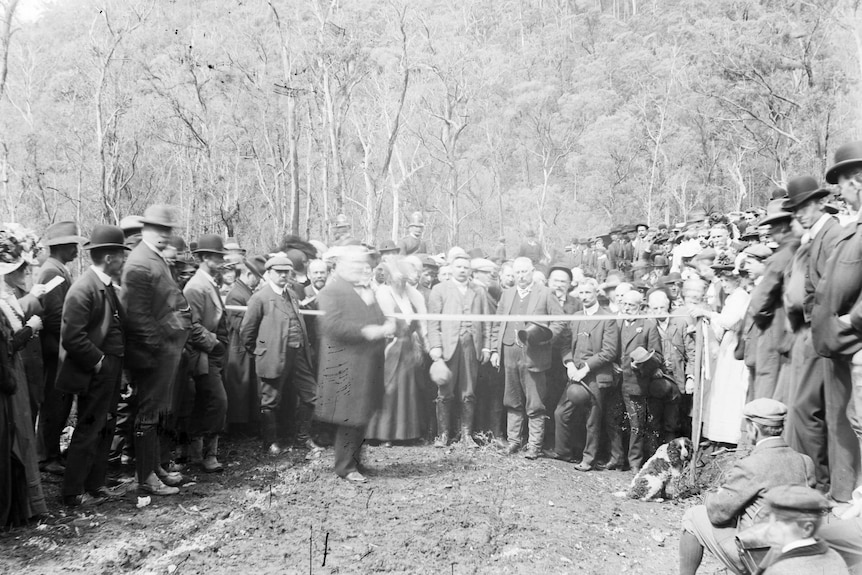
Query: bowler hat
[
  {"x": 535, "y": 334},
  {"x": 160, "y": 215},
  {"x": 800, "y": 190},
  {"x": 63, "y": 233},
  {"x": 279, "y": 262},
  {"x": 178, "y": 243},
  {"x": 256, "y": 265},
  {"x": 847, "y": 156},
  {"x": 232, "y": 245},
  {"x": 672, "y": 278},
  {"x": 131, "y": 225},
  {"x": 387, "y": 247},
  {"x": 563, "y": 268},
  {"x": 440, "y": 373},
  {"x": 106, "y": 237},
  {"x": 416, "y": 220},
  {"x": 765, "y": 411},
  {"x": 777, "y": 194},
  {"x": 341, "y": 221},
  {"x": 799, "y": 498},
  {"x": 775, "y": 213},
  {"x": 210, "y": 244}
]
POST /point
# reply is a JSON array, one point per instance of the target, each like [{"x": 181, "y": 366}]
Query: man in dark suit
[
  {"x": 635, "y": 333},
  {"x": 739, "y": 501},
  {"x": 62, "y": 240},
  {"x": 206, "y": 358},
  {"x": 157, "y": 327},
  {"x": 589, "y": 365},
  {"x": 461, "y": 344},
  {"x": 275, "y": 333},
  {"x": 525, "y": 359},
  {"x": 413, "y": 243},
  {"x": 353, "y": 339},
  {"x": 836, "y": 324},
  {"x": 677, "y": 351},
  {"x": 92, "y": 346},
  {"x": 811, "y": 387}
]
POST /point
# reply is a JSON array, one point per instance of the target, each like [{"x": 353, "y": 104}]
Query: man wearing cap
[
  {"x": 62, "y": 240},
  {"x": 810, "y": 381},
  {"x": 273, "y": 331},
  {"x": 738, "y": 502},
  {"x": 795, "y": 517},
  {"x": 240, "y": 380},
  {"x": 461, "y": 344},
  {"x": 836, "y": 327},
  {"x": 207, "y": 355},
  {"x": 525, "y": 360},
  {"x": 157, "y": 326},
  {"x": 92, "y": 342},
  {"x": 767, "y": 308},
  {"x": 413, "y": 243}
]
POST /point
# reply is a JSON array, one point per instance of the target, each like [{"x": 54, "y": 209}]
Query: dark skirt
[{"x": 400, "y": 419}]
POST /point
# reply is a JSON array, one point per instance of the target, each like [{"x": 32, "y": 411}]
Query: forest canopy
[{"x": 258, "y": 118}]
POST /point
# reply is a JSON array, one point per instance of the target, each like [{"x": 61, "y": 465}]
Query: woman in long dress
[
  {"x": 400, "y": 418},
  {"x": 729, "y": 384}
]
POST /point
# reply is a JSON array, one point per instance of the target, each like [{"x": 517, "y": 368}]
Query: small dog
[{"x": 651, "y": 482}]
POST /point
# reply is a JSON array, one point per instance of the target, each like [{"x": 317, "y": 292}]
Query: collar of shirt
[
  {"x": 103, "y": 277},
  {"x": 155, "y": 249},
  {"x": 276, "y": 289},
  {"x": 592, "y": 310},
  {"x": 818, "y": 225},
  {"x": 522, "y": 293},
  {"x": 799, "y": 543},
  {"x": 462, "y": 286}
]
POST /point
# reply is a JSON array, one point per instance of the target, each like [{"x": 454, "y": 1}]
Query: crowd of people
[{"x": 595, "y": 354}]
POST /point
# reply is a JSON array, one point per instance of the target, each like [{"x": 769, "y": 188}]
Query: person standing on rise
[
  {"x": 158, "y": 324},
  {"x": 207, "y": 355},
  {"x": 353, "y": 339},
  {"x": 413, "y": 243},
  {"x": 93, "y": 342},
  {"x": 62, "y": 240}
]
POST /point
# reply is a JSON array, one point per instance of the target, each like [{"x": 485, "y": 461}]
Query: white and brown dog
[{"x": 652, "y": 481}]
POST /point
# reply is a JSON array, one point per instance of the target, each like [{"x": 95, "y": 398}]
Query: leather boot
[
  {"x": 442, "y": 424},
  {"x": 210, "y": 462},
  {"x": 146, "y": 453},
  {"x": 537, "y": 436},
  {"x": 514, "y": 422},
  {"x": 196, "y": 450},
  {"x": 268, "y": 429},
  {"x": 467, "y": 413}
]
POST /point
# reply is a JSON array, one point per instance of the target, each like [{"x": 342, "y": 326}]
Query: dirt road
[{"x": 423, "y": 511}]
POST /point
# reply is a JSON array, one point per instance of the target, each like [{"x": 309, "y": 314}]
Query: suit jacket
[
  {"x": 640, "y": 333},
  {"x": 542, "y": 301},
  {"x": 208, "y": 311},
  {"x": 678, "y": 348},
  {"x": 265, "y": 329},
  {"x": 596, "y": 344},
  {"x": 838, "y": 294},
  {"x": 445, "y": 298},
  {"x": 52, "y": 305},
  {"x": 86, "y": 315},
  {"x": 156, "y": 311},
  {"x": 813, "y": 559},
  {"x": 350, "y": 376},
  {"x": 770, "y": 464},
  {"x": 410, "y": 245}
]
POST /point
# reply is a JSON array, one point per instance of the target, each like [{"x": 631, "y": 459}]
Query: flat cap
[
  {"x": 482, "y": 265},
  {"x": 279, "y": 262},
  {"x": 799, "y": 498},
  {"x": 765, "y": 411},
  {"x": 758, "y": 251}
]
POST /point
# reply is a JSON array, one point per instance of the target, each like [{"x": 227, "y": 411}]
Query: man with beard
[{"x": 207, "y": 357}]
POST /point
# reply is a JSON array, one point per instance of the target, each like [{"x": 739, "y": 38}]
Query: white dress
[{"x": 729, "y": 384}]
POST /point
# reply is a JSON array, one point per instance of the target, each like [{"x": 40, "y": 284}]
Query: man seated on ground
[
  {"x": 795, "y": 515},
  {"x": 739, "y": 500}
]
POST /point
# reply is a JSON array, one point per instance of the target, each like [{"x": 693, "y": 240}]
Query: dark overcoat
[
  {"x": 350, "y": 383},
  {"x": 240, "y": 380}
]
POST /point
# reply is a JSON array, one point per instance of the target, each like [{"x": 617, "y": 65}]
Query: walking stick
[{"x": 701, "y": 351}]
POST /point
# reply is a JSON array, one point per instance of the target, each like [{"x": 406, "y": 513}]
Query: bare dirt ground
[{"x": 424, "y": 510}]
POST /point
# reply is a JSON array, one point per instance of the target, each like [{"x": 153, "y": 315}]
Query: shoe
[
  {"x": 171, "y": 478},
  {"x": 274, "y": 450},
  {"x": 609, "y": 466},
  {"x": 468, "y": 441},
  {"x": 315, "y": 453},
  {"x": 103, "y": 492},
  {"x": 158, "y": 488},
  {"x": 551, "y": 454},
  {"x": 500, "y": 443},
  {"x": 174, "y": 467},
  {"x": 53, "y": 466},
  {"x": 441, "y": 441},
  {"x": 532, "y": 452},
  {"x": 511, "y": 449},
  {"x": 83, "y": 500},
  {"x": 356, "y": 477},
  {"x": 386, "y": 444},
  {"x": 211, "y": 465},
  {"x": 583, "y": 467}
]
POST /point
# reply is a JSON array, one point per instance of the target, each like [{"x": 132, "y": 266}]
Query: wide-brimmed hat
[
  {"x": 210, "y": 244},
  {"x": 18, "y": 245},
  {"x": 723, "y": 263},
  {"x": 775, "y": 213},
  {"x": 131, "y": 225},
  {"x": 388, "y": 247},
  {"x": 802, "y": 189},
  {"x": 671, "y": 278},
  {"x": 641, "y": 355},
  {"x": 232, "y": 245},
  {"x": 104, "y": 236},
  {"x": 63, "y": 233},
  {"x": 534, "y": 334},
  {"x": 161, "y": 215},
  {"x": 847, "y": 156},
  {"x": 256, "y": 265},
  {"x": 428, "y": 261},
  {"x": 416, "y": 220}
]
